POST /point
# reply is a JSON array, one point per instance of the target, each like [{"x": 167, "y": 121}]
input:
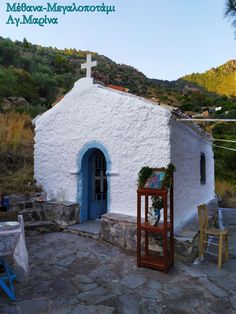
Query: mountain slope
[
  {"x": 220, "y": 80},
  {"x": 39, "y": 75}
]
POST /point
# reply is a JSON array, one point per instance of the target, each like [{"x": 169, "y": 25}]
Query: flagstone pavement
[{"x": 74, "y": 274}]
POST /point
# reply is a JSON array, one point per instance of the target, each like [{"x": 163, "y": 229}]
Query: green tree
[
  {"x": 47, "y": 86},
  {"x": 17, "y": 83},
  {"x": 230, "y": 12},
  {"x": 26, "y": 44},
  {"x": 9, "y": 52}
]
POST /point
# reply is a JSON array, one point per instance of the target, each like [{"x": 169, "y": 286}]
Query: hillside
[
  {"x": 39, "y": 75},
  {"x": 42, "y": 74},
  {"x": 220, "y": 80}
]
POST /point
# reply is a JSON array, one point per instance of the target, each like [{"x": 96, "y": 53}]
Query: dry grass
[
  {"x": 223, "y": 188},
  {"x": 15, "y": 131},
  {"x": 20, "y": 181},
  {"x": 16, "y": 153}
]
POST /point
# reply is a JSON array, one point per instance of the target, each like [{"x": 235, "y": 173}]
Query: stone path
[
  {"x": 229, "y": 221},
  {"x": 71, "y": 274}
]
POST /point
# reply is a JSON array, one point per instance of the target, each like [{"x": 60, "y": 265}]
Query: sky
[{"x": 165, "y": 39}]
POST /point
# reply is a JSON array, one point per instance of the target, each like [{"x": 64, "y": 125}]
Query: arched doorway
[
  {"x": 97, "y": 185},
  {"x": 93, "y": 184}
]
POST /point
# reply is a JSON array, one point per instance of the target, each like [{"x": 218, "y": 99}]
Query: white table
[{"x": 12, "y": 242}]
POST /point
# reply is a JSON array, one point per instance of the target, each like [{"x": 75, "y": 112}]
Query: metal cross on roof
[{"x": 88, "y": 65}]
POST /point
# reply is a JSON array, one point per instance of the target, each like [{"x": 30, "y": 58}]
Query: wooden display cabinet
[{"x": 145, "y": 256}]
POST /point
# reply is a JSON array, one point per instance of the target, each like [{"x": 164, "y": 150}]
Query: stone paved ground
[
  {"x": 229, "y": 220},
  {"x": 73, "y": 274}
]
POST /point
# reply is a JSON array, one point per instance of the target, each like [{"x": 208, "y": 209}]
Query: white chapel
[{"x": 91, "y": 145}]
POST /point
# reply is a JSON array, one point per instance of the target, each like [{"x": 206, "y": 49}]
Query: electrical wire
[
  {"x": 223, "y": 147},
  {"x": 220, "y": 140}
]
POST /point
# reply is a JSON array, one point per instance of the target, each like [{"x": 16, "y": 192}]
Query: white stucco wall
[
  {"x": 186, "y": 149},
  {"x": 134, "y": 131}
]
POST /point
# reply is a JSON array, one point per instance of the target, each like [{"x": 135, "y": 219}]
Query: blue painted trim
[{"x": 82, "y": 159}]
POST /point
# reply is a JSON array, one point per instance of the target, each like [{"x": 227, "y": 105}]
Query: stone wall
[
  {"x": 186, "y": 249},
  {"x": 120, "y": 230},
  {"x": 62, "y": 214}
]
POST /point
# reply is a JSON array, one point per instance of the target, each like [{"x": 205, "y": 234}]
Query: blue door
[{"x": 97, "y": 189}]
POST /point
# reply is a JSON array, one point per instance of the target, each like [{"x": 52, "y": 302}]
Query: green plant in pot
[{"x": 154, "y": 212}]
